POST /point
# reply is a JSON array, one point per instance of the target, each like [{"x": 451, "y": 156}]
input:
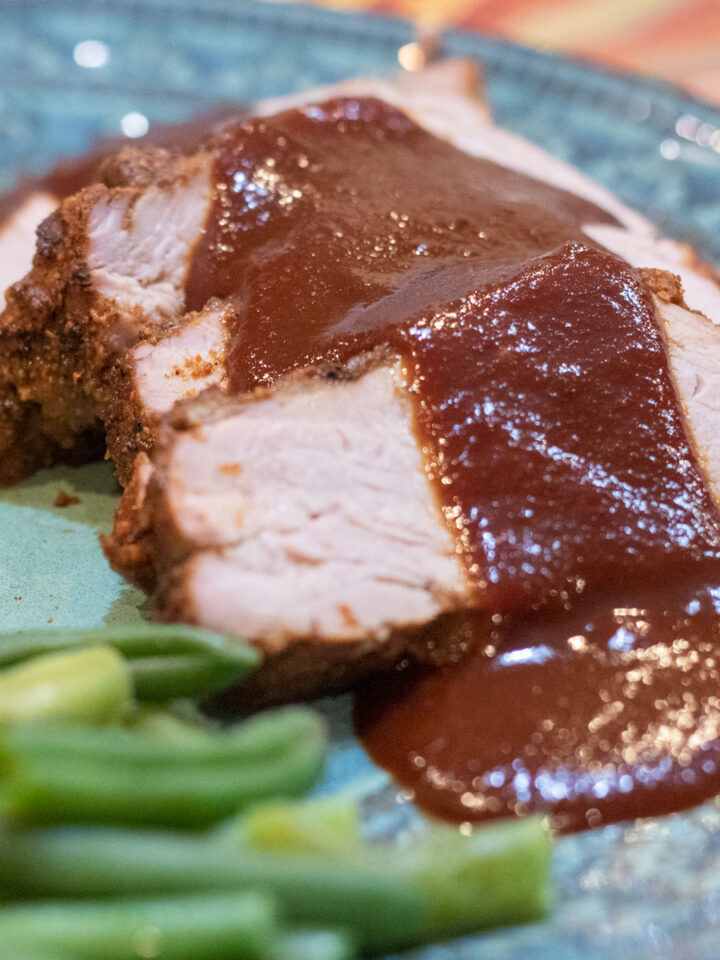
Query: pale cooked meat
[
  {"x": 302, "y": 518},
  {"x": 23, "y": 208},
  {"x": 191, "y": 359},
  {"x": 81, "y": 341},
  {"x": 17, "y": 238},
  {"x": 39, "y": 422},
  {"x": 694, "y": 349},
  {"x": 139, "y": 240},
  {"x": 306, "y": 513}
]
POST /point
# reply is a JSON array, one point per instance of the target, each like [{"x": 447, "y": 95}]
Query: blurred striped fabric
[{"x": 678, "y": 40}]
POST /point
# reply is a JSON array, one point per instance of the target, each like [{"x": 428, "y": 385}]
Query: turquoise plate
[{"x": 645, "y": 890}]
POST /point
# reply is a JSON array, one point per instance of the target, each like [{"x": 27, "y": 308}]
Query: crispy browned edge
[{"x": 312, "y": 667}]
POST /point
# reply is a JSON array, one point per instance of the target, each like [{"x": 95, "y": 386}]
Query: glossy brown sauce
[{"x": 552, "y": 437}]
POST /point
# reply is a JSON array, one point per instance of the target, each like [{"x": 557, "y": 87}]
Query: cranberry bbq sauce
[{"x": 552, "y": 437}]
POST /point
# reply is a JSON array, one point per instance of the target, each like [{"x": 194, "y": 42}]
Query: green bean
[
  {"x": 381, "y": 906},
  {"x": 498, "y": 875},
  {"x": 255, "y": 739},
  {"x": 19, "y": 950},
  {"x": 91, "y": 685},
  {"x": 42, "y": 787},
  {"x": 234, "y": 926},
  {"x": 133, "y": 642},
  {"x": 315, "y": 945},
  {"x": 167, "y": 660}
]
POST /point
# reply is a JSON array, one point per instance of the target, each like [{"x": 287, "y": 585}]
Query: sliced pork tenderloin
[
  {"x": 254, "y": 516},
  {"x": 108, "y": 276},
  {"x": 23, "y": 208},
  {"x": 300, "y": 516},
  {"x": 315, "y": 493}
]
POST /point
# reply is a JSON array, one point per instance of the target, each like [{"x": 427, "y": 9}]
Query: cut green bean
[
  {"x": 315, "y": 945},
  {"x": 256, "y": 739},
  {"x": 92, "y": 685},
  {"x": 441, "y": 885},
  {"x": 496, "y": 876},
  {"x": 194, "y": 788},
  {"x": 134, "y": 642},
  {"x": 167, "y": 661},
  {"x": 382, "y": 907},
  {"x": 234, "y": 926}
]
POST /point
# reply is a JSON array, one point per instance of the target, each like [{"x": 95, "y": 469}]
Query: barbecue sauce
[{"x": 552, "y": 437}]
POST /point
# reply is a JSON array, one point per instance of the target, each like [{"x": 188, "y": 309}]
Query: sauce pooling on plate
[{"x": 552, "y": 437}]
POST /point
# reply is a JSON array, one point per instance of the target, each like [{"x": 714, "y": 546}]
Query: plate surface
[{"x": 640, "y": 891}]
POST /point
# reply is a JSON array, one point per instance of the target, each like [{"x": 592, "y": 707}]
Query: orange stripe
[
  {"x": 492, "y": 15},
  {"x": 441, "y": 12},
  {"x": 692, "y": 30},
  {"x": 571, "y": 25}
]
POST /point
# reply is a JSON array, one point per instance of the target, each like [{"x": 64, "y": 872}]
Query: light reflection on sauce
[{"x": 593, "y": 716}]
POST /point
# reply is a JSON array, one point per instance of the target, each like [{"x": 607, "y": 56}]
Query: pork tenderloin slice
[
  {"x": 157, "y": 373},
  {"x": 139, "y": 242},
  {"x": 128, "y": 547},
  {"x": 302, "y": 518},
  {"x": 305, "y": 513},
  {"x": 108, "y": 272}
]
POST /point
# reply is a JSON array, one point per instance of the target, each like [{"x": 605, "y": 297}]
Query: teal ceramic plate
[{"x": 645, "y": 890}]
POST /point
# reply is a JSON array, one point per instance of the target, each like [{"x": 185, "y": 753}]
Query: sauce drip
[{"x": 552, "y": 437}]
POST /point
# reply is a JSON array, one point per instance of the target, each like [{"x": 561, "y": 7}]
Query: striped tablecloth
[{"x": 678, "y": 40}]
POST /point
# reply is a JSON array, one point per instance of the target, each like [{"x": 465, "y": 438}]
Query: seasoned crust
[
  {"x": 665, "y": 285},
  {"x": 127, "y": 550}
]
